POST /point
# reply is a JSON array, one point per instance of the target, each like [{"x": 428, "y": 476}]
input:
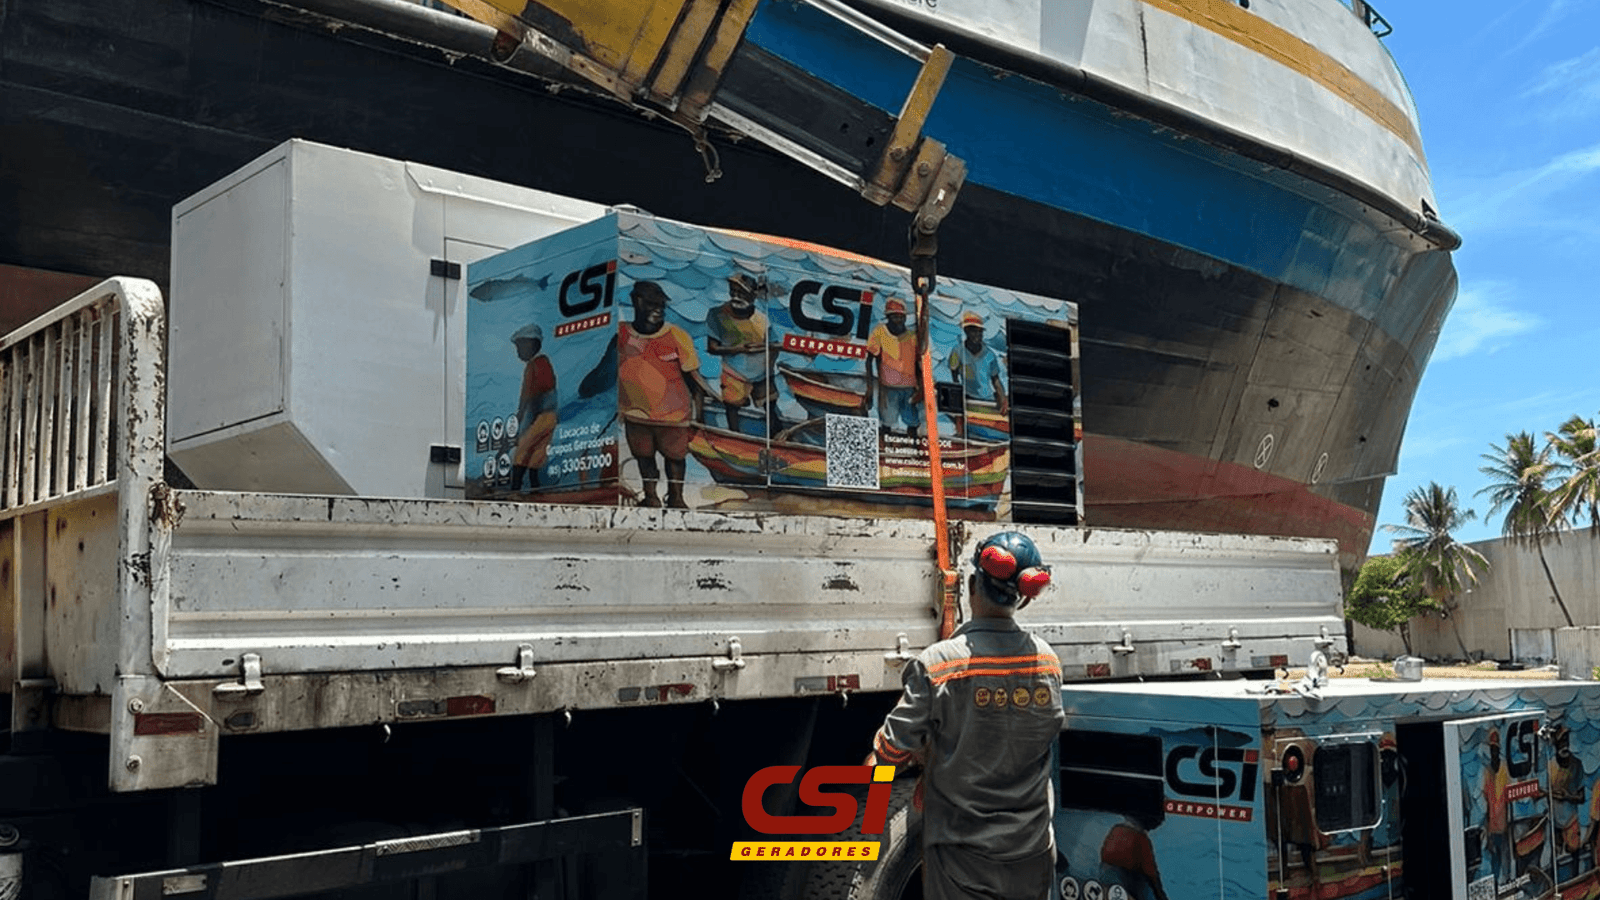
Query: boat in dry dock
[{"x": 1234, "y": 194}]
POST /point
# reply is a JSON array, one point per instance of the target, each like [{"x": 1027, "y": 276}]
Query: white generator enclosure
[{"x": 317, "y": 319}]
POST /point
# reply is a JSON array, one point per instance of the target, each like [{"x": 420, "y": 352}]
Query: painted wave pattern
[
  {"x": 1103, "y": 853},
  {"x": 1529, "y": 770},
  {"x": 823, "y": 311},
  {"x": 699, "y": 260}
]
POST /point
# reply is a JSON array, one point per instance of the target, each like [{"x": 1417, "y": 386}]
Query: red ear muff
[
  {"x": 1032, "y": 581},
  {"x": 997, "y": 562}
]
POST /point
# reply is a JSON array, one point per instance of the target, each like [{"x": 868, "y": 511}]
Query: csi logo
[
  {"x": 811, "y": 794},
  {"x": 845, "y": 310},
  {"x": 1520, "y": 744},
  {"x": 586, "y": 290},
  {"x": 1216, "y": 773}
]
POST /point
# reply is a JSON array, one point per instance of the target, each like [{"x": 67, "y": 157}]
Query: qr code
[
  {"x": 1482, "y": 889},
  {"x": 852, "y": 448}
]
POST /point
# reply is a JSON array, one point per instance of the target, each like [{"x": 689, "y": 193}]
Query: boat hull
[{"x": 1251, "y": 340}]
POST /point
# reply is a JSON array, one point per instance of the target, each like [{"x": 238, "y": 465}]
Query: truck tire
[{"x": 895, "y": 875}]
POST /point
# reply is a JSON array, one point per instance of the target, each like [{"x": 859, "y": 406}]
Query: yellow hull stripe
[{"x": 1227, "y": 19}]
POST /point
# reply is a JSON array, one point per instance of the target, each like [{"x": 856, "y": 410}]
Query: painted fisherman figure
[
  {"x": 536, "y": 408},
  {"x": 737, "y": 332},
  {"x": 980, "y": 712},
  {"x": 892, "y": 370},
  {"x": 659, "y": 390}
]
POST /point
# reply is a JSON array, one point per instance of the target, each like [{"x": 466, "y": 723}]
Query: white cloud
[
  {"x": 1574, "y": 83},
  {"x": 1553, "y": 13},
  {"x": 1418, "y": 448},
  {"x": 1539, "y": 411},
  {"x": 1576, "y": 162},
  {"x": 1511, "y": 199},
  {"x": 1484, "y": 318}
]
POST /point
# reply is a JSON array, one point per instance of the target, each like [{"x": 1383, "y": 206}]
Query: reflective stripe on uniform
[
  {"x": 979, "y": 672},
  {"x": 995, "y": 660},
  {"x": 969, "y": 667},
  {"x": 887, "y": 751}
]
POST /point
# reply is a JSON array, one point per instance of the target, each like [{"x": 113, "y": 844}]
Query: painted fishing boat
[
  {"x": 982, "y": 421},
  {"x": 1369, "y": 884},
  {"x": 1235, "y": 195},
  {"x": 1342, "y": 872},
  {"x": 975, "y": 472},
  {"x": 821, "y": 393},
  {"x": 1532, "y": 835},
  {"x": 1583, "y": 887}
]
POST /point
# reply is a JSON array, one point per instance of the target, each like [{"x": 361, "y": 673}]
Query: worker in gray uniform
[{"x": 979, "y": 713}]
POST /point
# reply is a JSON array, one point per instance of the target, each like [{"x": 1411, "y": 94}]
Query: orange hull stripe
[
  {"x": 974, "y": 673},
  {"x": 1228, "y": 20}
]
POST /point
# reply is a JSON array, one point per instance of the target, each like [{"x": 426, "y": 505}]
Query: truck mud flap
[{"x": 399, "y": 860}]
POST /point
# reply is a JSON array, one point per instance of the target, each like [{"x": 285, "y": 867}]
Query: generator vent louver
[{"x": 1044, "y": 451}]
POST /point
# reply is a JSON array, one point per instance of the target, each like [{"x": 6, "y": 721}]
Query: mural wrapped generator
[
  {"x": 1480, "y": 790},
  {"x": 637, "y": 360}
]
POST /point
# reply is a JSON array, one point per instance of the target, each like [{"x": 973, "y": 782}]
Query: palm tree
[
  {"x": 1579, "y": 467},
  {"x": 1517, "y": 472},
  {"x": 1431, "y": 554}
]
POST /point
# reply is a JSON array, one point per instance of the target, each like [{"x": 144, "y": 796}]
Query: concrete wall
[
  {"x": 1512, "y": 594},
  {"x": 1375, "y": 644},
  {"x": 1579, "y": 651}
]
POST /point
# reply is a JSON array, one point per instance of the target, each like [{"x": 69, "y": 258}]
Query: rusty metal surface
[
  {"x": 371, "y": 611},
  {"x": 159, "y": 737},
  {"x": 366, "y": 610},
  {"x": 67, "y": 428},
  {"x": 82, "y": 616},
  {"x": 338, "y": 584},
  {"x": 328, "y": 700},
  {"x": 84, "y": 391},
  {"x": 332, "y": 584},
  {"x": 8, "y": 604}
]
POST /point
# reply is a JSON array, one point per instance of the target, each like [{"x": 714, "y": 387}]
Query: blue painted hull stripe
[{"x": 1030, "y": 140}]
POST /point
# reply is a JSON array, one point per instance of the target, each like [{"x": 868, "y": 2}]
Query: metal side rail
[
  {"x": 406, "y": 859},
  {"x": 83, "y": 396}
]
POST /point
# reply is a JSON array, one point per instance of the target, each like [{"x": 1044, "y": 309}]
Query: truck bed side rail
[
  {"x": 84, "y": 403},
  {"x": 67, "y": 424},
  {"x": 613, "y": 839}
]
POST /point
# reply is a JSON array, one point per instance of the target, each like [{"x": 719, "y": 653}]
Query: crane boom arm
[{"x": 690, "y": 60}]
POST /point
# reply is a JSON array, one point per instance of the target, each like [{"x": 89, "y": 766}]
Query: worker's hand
[{"x": 872, "y": 758}]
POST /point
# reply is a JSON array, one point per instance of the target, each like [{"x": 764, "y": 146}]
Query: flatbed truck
[{"x": 258, "y": 693}]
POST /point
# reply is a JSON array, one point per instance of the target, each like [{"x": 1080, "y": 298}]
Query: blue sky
[{"x": 1509, "y": 94}]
